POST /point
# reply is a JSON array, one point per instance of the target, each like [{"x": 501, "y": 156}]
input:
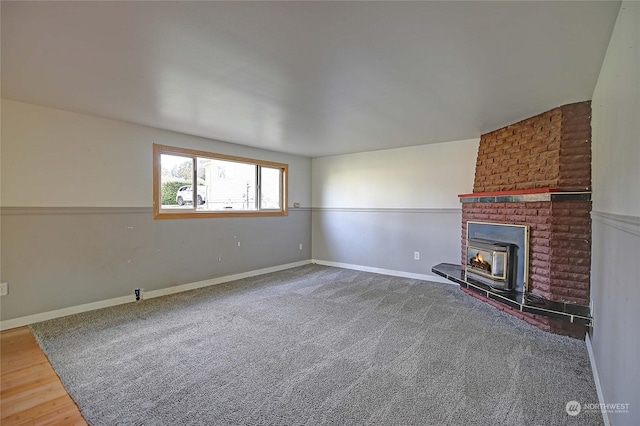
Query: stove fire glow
[
  {"x": 479, "y": 262},
  {"x": 491, "y": 263}
]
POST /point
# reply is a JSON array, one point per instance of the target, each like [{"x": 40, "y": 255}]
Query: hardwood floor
[{"x": 30, "y": 391}]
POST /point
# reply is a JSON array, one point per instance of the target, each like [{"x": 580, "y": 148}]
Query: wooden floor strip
[{"x": 30, "y": 390}]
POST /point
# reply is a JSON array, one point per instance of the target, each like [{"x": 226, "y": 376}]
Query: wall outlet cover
[{"x": 138, "y": 293}]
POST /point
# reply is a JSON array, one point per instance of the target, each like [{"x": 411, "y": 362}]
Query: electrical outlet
[
  {"x": 296, "y": 205},
  {"x": 416, "y": 255},
  {"x": 138, "y": 293},
  {"x": 300, "y": 246},
  {"x": 238, "y": 243},
  {"x": 219, "y": 258},
  {"x": 4, "y": 289}
]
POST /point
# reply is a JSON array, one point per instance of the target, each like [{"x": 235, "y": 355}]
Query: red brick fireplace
[{"x": 538, "y": 173}]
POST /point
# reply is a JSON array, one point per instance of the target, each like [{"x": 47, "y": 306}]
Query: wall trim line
[
  {"x": 386, "y": 210},
  {"x": 382, "y": 271},
  {"x": 628, "y": 224},
  {"x": 596, "y": 379},
  {"x": 44, "y": 316},
  {"x": 26, "y": 211},
  {"x": 16, "y": 211}
]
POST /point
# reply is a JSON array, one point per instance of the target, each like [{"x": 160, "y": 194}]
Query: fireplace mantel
[{"x": 525, "y": 196}]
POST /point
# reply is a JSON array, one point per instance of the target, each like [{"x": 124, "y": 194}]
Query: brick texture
[
  {"x": 559, "y": 243},
  {"x": 574, "y": 173},
  {"x": 550, "y": 150}
]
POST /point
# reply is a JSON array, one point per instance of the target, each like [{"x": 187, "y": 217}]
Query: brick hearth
[{"x": 550, "y": 152}]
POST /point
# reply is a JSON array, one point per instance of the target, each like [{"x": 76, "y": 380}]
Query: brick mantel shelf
[{"x": 525, "y": 196}]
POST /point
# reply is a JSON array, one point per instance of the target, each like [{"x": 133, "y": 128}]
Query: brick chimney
[{"x": 548, "y": 153}]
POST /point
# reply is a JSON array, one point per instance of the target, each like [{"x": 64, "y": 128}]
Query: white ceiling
[{"x": 309, "y": 78}]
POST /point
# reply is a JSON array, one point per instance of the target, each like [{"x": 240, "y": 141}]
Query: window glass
[
  {"x": 270, "y": 197},
  {"x": 226, "y": 185},
  {"x": 175, "y": 182},
  {"x": 190, "y": 183}
]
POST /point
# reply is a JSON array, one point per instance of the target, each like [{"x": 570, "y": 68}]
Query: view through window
[{"x": 225, "y": 185}]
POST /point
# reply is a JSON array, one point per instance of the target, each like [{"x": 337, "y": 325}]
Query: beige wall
[
  {"x": 425, "y": 176},
  {"x": 616, "y": 123},
  {"x": 54, "y": 158}
]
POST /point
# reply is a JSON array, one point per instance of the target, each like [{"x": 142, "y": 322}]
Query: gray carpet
[{"x": 317, "y": 345}]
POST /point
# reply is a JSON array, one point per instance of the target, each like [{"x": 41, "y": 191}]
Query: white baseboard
[
  {"x": 391, "y": 272},
  {"x": 44, "y": 316},
  {"x": 596, "y": 379},
  {"x": 220, "y": 280}
]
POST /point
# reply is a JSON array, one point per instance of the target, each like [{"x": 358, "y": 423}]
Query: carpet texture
[{"x": 317, "y": 345}]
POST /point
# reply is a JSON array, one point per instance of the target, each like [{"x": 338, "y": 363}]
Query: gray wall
[
  {"x": 615, "y": 294},
  {"x": 387, "y": 238},
  {"x": 76, "y": 224},
  {"x": 615, "y": 271},
  {"x": 375, "y": 209},
  {"x": 56, "y": 258}
]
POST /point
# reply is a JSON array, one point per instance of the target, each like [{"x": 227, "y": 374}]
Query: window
[{"x": 225, "y": 185}]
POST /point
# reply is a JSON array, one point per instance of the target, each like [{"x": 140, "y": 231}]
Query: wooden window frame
[{"x": 160, "y": 213}]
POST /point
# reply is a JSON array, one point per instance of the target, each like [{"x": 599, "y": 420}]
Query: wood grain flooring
[{"x": 30, "y": 391}]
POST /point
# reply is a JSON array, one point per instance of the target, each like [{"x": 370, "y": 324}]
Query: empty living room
[{"x": 320, "y": 213}]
